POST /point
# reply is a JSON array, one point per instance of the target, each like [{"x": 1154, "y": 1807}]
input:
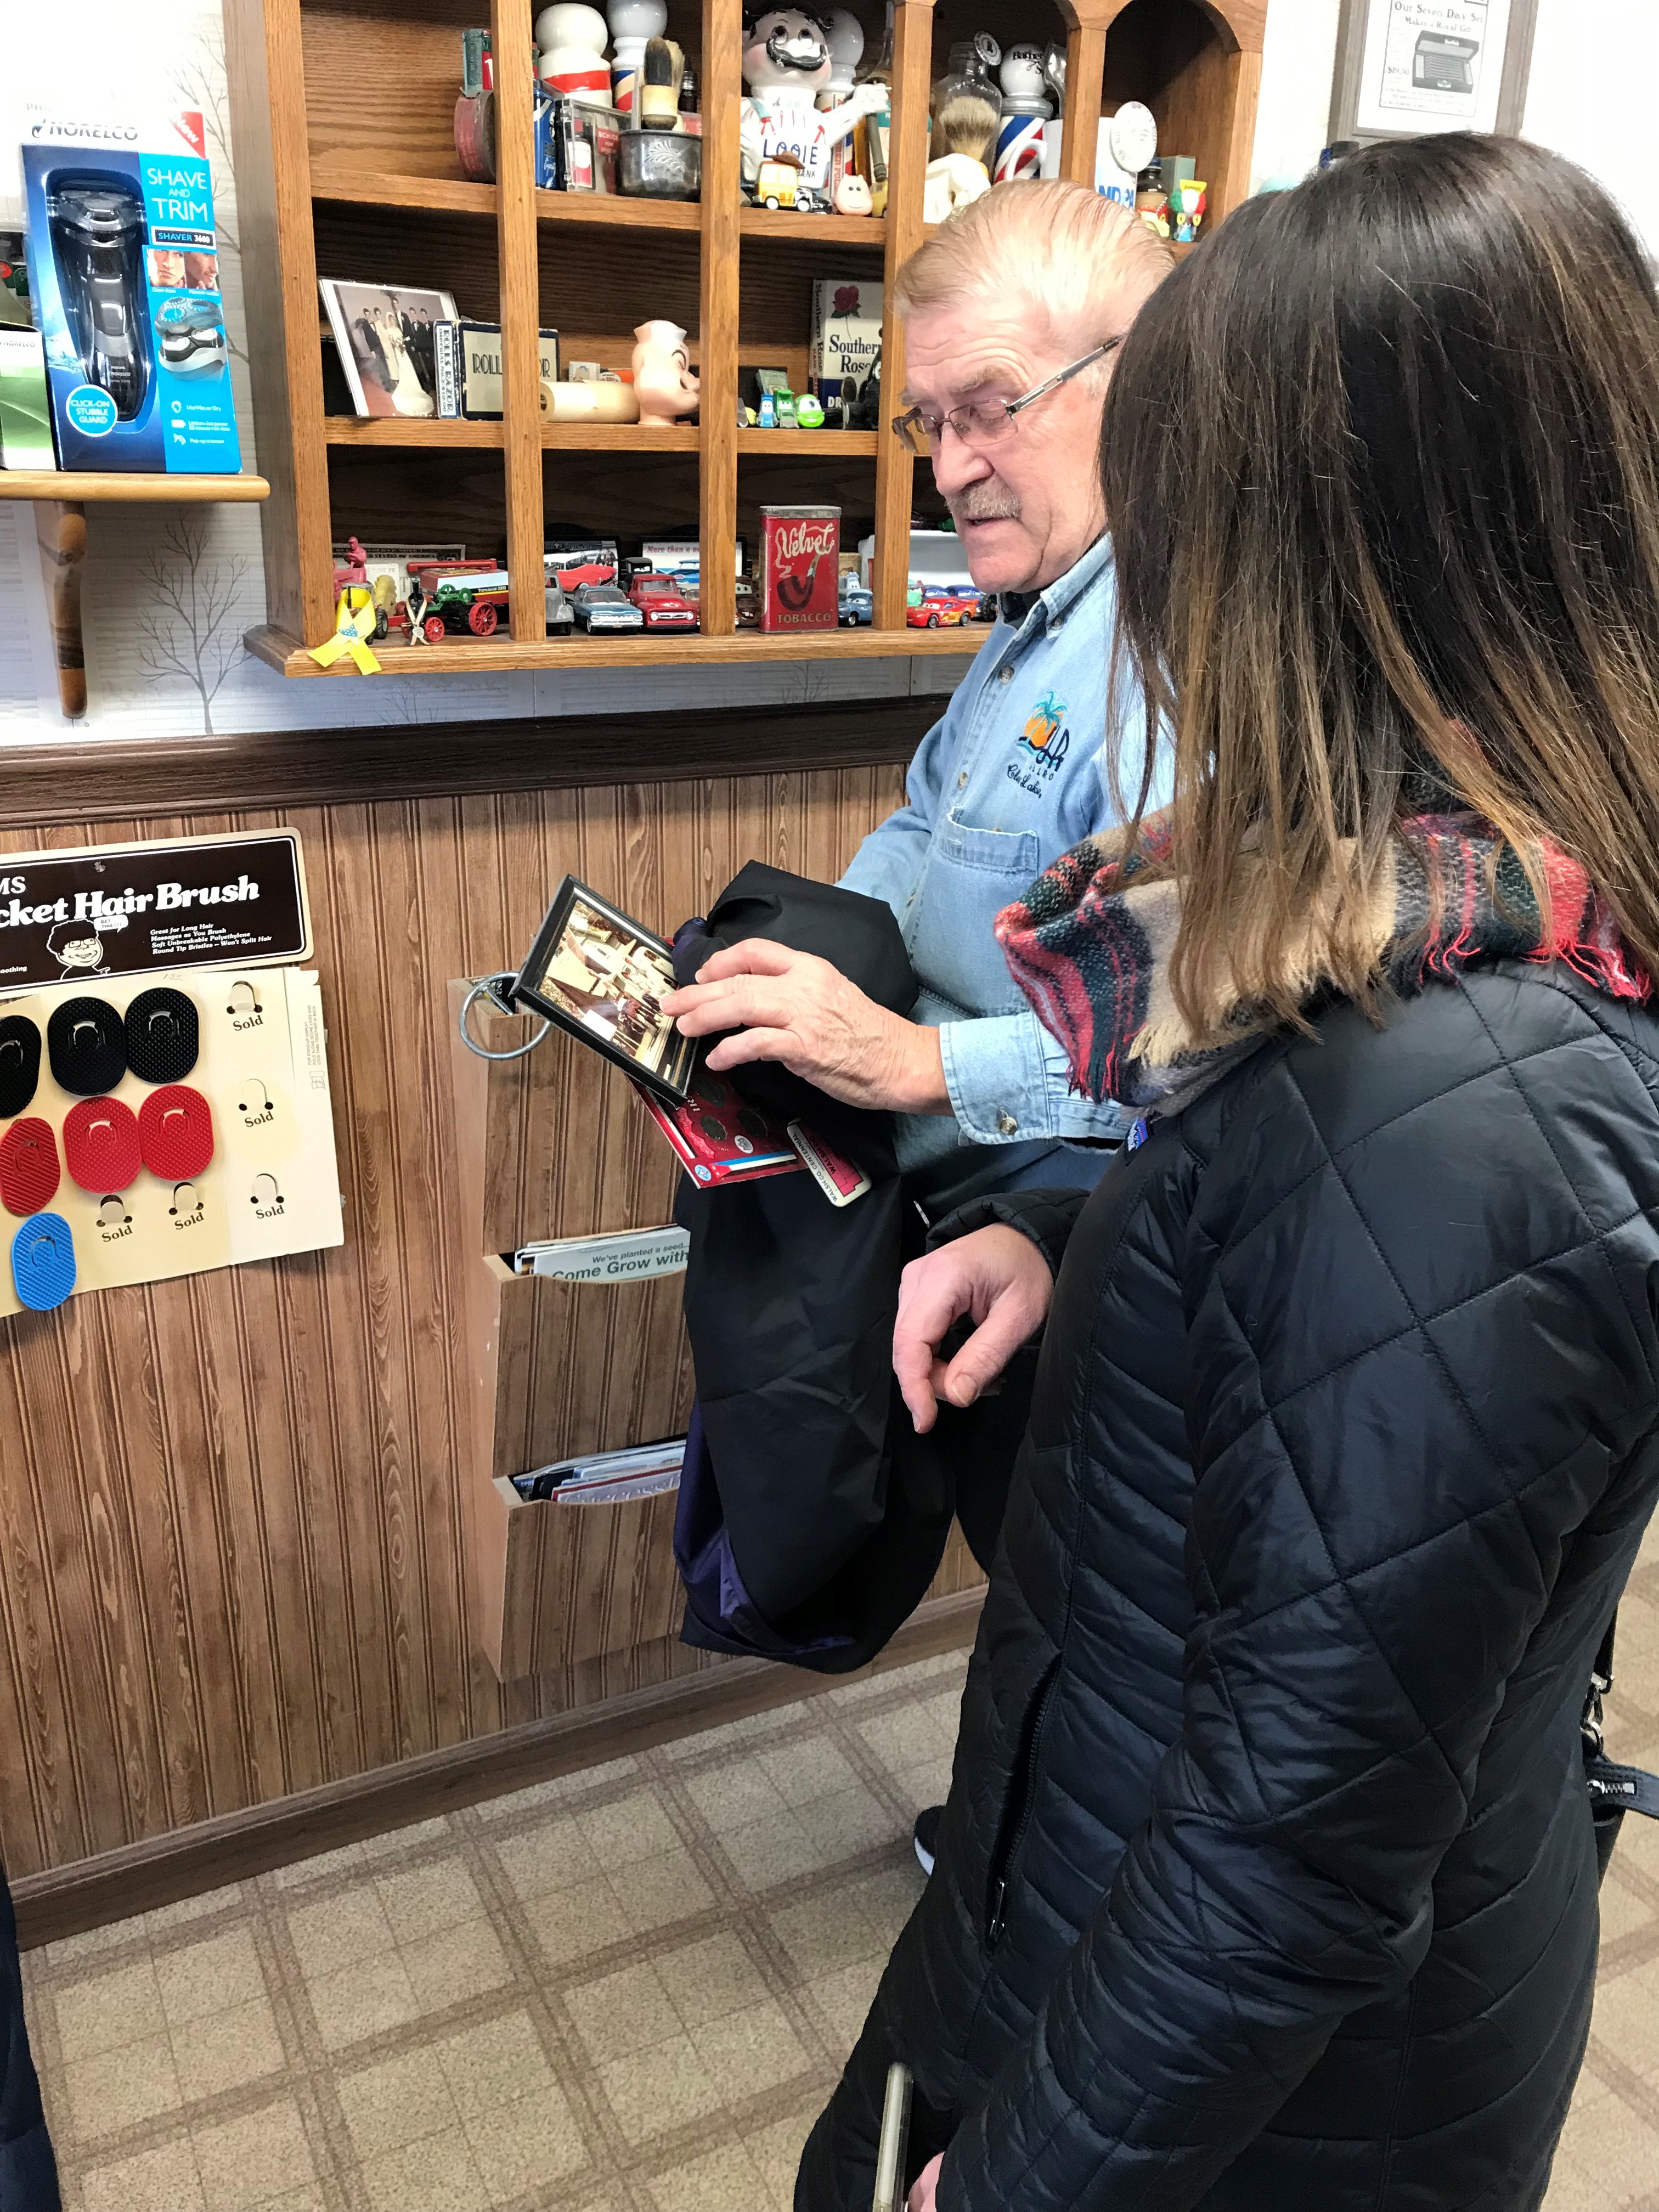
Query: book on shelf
[{"x": 446, "y": 347}]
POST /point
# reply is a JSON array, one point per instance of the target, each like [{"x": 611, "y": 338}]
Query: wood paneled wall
[{"x": 232, "y": 1534}]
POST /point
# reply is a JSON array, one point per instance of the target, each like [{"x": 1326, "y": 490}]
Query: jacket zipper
[
  {"x": 1002, "y": 1867},
  {"x": 1136, "y": 1177}
]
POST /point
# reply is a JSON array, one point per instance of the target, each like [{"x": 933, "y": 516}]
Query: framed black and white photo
[
  {"x": 1407, "y": 67},
  {"x": 386, "y": 337}
]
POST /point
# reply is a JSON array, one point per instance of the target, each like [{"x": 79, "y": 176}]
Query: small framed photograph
[
  {"x": 387, "y": 336},
  {"x": 602, "y": 976},
  {"x": 1407, "y": 67}
]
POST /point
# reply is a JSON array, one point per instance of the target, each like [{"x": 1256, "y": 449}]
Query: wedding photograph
[{"x": 385, "y": 334}]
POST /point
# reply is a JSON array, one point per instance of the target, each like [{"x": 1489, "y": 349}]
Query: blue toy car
[{"x": 858, "y": 603}]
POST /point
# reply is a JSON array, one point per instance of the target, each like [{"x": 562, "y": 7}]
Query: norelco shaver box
[{"x": 124, "y": 267}]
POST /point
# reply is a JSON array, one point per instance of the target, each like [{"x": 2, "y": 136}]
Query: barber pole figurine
[
  {"x": 1019, "y": 143},
  {"x": 1024, "y": 111}
]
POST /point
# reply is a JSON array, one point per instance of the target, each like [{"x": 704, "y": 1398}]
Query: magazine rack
[
  {"x": 560, "y": 1368},
  {"x": 345, "y": 165}
]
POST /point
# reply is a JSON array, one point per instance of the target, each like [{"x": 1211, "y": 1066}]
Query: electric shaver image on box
[
  {"x": 97, "y": 240},
  {"x": 189, "y": 336}
]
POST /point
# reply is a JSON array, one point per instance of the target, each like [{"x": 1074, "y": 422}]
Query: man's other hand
[
  {"x": 996, "y": 1276},
  {"x": 795, "y": 1008}
]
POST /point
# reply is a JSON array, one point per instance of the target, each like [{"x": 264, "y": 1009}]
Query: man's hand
[
  {"x": 997, "y": 1276},
  {"x": 924, "y": 2189},
  {"x": 795, "y": 1007}
]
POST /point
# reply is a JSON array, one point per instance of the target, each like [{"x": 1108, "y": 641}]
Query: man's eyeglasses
[{"x": 982, "y": 421}]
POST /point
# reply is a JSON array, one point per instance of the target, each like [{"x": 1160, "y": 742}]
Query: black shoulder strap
[{"x": 1616, "y": 1789}]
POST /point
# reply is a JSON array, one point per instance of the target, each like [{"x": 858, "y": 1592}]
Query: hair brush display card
[
  {"x": 101, "y": 910},
  {"x": 233, "y": 1131}
]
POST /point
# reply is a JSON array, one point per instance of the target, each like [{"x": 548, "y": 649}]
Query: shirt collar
[{"x": 1057, "y": 599}]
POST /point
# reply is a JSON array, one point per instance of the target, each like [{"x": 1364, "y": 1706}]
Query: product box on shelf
[
  {"x": 846, "y": 340},
  {"x": 123, "y": 270},
  {"x": 25, "y": 405},
  {"x": 800, "y": 561},
  {"x": 576, "y": 146},
  {"x": 481, "y": 369},
  {"x": 683, "y": 557}
]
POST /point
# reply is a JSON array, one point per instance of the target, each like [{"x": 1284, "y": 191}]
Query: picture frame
[
  {"x": 597, "y": 973},
  {"x": 1409, "y": 68},
  {"x": 386, "y": 338}
]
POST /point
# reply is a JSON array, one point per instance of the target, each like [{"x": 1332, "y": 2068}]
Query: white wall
[
  {"x": 1594, "y": 95},
  {"x": 1298, "y": 60}
]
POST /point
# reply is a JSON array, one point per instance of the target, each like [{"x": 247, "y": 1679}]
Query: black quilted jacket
[{"x": 1266, "y": 1882}]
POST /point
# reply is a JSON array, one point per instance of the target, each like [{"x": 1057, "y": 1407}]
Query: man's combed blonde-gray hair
[{"x": 1083, "y": 261}]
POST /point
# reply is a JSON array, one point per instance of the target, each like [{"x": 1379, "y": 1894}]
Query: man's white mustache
[{"x": 985, "y": 503}]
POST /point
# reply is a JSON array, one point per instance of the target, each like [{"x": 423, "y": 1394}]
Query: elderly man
[{"x": 1012, "y": 311}]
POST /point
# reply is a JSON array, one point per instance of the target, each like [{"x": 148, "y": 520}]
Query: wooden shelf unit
[{"x": 365, "y": 188}]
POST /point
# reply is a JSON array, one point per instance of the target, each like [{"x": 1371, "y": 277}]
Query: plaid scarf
[{"x": 1089, "y": 947}]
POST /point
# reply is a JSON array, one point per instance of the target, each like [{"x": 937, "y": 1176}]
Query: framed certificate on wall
[{"x": 1406, "y": 67}]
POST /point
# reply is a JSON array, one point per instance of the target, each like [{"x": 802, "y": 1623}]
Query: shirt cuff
[{"x": 1009, "y": 1082}]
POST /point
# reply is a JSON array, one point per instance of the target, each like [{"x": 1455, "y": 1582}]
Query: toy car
[
  {"x": 747, "y": 615},
  {"x": 937, "y": 611},
  {"x": 455, "y": 599},
  {"x": 602, "y": 606},
  {"x": 572, "y": 561},
  {"x": 561, "y": 615},
  {"x": 662, "y": 603},
  {"x": 968, "y": 598},
  {"x": 778, "y": 184},
  {"x": 858, "y": 603}
]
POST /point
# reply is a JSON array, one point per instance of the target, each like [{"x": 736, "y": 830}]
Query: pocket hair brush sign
[{"x": 171, "y": 1119}]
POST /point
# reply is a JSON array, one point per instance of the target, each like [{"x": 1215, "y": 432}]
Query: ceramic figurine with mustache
[{"x": 787, "y": 62}]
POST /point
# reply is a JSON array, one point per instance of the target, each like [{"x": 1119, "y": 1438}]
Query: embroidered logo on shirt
[
  {"x": 1045, "y": 735},
  {"x": 1046, "y": 739}
]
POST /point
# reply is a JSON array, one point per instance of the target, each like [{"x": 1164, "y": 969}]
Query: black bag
[
  {"x": 1613, "y": 1790},
  {"x": 812, "y": 1518}
]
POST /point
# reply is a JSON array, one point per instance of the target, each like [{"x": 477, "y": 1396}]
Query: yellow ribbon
[{"x": 353, "y": 628}]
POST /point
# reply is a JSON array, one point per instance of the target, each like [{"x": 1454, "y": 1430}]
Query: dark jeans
[{"x": 28, "y": 2172}]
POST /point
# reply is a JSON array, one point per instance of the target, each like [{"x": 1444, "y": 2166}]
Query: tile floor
[{"x": 628, "y": 1990}]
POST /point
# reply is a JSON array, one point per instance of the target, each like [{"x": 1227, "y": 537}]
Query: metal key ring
[{"x": 487, "y": 989}]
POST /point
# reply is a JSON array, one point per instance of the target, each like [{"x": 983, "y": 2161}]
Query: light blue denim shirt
[{"x": 1014, "y": 775}]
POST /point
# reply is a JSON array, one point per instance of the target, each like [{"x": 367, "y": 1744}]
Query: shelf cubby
[{"x": 344, "y": 114}]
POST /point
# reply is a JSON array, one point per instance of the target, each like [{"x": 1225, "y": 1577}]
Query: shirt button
[
  {"x": 1005, "y": 675},
  {"x": 1005, "y": 1122},
  {"x": 962, "y": 779}
]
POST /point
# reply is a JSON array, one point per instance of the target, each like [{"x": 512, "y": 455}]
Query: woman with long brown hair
[{"x": 1268, "y": 1874}]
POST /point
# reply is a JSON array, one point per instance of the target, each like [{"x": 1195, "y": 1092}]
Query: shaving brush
[
  {"x": 966, "y": 104},
  {"x": 966, "y": 121},
  {"x": 657, "y": 92}
]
